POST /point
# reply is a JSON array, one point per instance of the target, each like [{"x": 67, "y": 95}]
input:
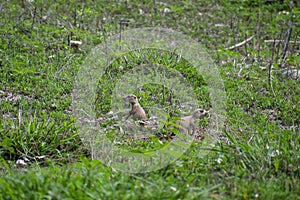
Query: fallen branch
[
  {"x": 277, "y": 41},
  {"x": 235, "y": 46},
  {"x": 241, "y": 43}
]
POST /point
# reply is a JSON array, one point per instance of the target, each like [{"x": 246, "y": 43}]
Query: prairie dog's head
[
  {"x": 131, "y": 98},
  {"x": 198, "y": 113}
]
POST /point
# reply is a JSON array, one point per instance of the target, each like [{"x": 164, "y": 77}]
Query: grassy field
[{"x": 254, "y": 44}]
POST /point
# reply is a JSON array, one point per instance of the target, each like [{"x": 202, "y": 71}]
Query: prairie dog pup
[
  {"x": 188, "y": 123},
  {"x": 137, "y": 112}
]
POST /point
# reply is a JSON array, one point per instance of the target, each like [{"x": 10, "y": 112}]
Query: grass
[{"x": 257, "y": 154}]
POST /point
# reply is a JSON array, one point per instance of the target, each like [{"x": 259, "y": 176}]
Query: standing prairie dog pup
[
  {"x": 137, "y": 112},
  {"x": 188, "y": 123}
]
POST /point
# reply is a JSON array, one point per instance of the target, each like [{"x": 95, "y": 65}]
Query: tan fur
[
  {"x": 137, "y": 112},
  {"x": 188, "y": 123}
]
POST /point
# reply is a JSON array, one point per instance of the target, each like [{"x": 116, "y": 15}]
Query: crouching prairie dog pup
[
  {"x": 188, "y": 123},
  {"x": 137, "y": 111}
]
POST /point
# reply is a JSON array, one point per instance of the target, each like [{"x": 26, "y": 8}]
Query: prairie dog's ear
[
  {"x": 132, "y": 96},
  {"x": 203, "y": 111},
  {"x": 200, "y": 112}
]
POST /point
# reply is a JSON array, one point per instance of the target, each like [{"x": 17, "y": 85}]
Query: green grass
[{"x": 257, "y": 155}]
